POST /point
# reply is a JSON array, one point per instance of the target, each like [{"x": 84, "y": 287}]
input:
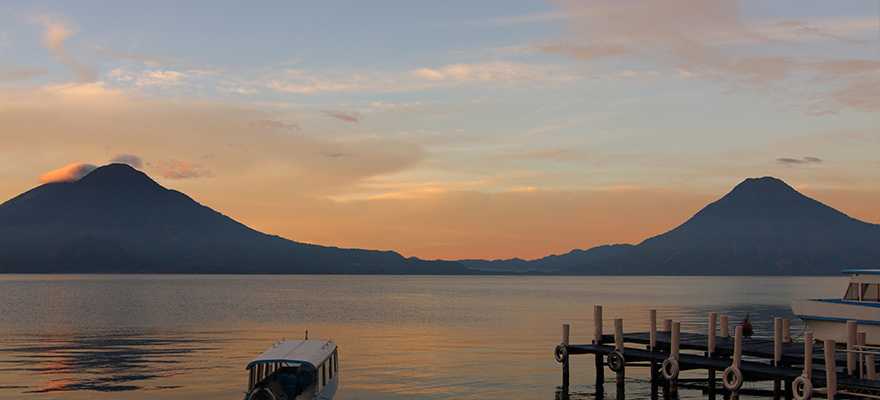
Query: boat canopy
[
  {"x": 861, "y": 271},
  {"x": 310, "y": 352}
]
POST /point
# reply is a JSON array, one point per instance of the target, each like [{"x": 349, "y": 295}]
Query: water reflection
[
  {"x": 103, "y": 337},
  {"x": 106, "y": 361}
]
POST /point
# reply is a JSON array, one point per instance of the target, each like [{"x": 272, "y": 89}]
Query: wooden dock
[{"x": 846, "y": 371}]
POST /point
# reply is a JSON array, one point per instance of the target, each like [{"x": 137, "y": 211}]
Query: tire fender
[
  {"x": 669, "y": 369},
  {"x": 616, "y": 361},
  {"x": 732, "y": 378},
  {"x": 802, "y": 388},
  {"x": 561, "y": 353}
]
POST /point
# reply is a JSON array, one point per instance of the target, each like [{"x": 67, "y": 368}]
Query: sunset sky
[{"x": 449, "y": 129}]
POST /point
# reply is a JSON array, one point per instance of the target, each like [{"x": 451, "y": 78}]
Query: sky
[{"x": 449, "y": 129}]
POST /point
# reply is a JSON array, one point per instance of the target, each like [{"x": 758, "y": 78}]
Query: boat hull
[
  {"x": 330, "y": 390},
  {"x": 827, "y": 318}
]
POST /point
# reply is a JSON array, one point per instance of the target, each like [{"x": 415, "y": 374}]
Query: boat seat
[
  {"x": 288, "y": 379},
  {"x": 277, "y": 390}
]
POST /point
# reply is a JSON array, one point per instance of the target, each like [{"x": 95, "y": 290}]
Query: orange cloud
[
  {"x": 69, "y": 173},
  {"x": 174, "y": 169}
]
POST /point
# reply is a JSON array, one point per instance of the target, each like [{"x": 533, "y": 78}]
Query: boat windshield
[
  {"x": 852, "y": 293},
  {"x": 863, "y": 292},
  {"x": 870, "y": 292}
]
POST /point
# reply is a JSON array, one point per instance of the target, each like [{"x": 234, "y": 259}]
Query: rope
[{"x": 801, "y": 334}]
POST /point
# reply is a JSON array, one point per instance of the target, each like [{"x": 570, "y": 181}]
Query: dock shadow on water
[{"x": 102, "y": 361}]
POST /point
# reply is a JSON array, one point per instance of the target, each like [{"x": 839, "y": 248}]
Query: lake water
[{"x": 399, "y": 337}]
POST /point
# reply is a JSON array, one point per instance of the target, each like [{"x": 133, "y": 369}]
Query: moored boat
[
  {"x": 861, "y": 303},
  {"x": 294, "y": 370}
]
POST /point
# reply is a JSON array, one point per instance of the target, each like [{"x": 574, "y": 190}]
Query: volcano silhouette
[
  {"x": 762, "y": 227},
  {"x": 117, "y": 219}
]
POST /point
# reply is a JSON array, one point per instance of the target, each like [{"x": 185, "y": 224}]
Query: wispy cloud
[
  {"x": 55, "y": 36},
  {"x": 273, "y": 124},
  {"x": 701, "y": 39},
  {"x": 21, "y": 74},
  {"x": 347, "y": 116},
  {"x": 129, "y": 159},
  {"x": 512, "y": 20},
  {"x": 797, "y": 161},
  {"x": 451, "y": 75},
  {"x": 174, "y": 169},
  {"x": 821, "y": 32}
]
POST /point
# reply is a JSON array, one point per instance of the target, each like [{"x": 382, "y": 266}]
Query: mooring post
[
  {"x": 830, "y": 372},
  {"x": 652, "y": 317},
  {"x": 675, "y": 342},
  {"x": 777, "y": 352},
  {"x": 786, "y": 330},
  {"x": 713, "y": 317},
  {"x": 674, "y": 345},
  {"x": 870, "y": 367},
  {"x": 808, "y": 355},
  {"x": 597, "y": 339},
  {"x": 851, "y": 333},
  {"x": 618, "y": 344},
  {"x": 618, "y": 334},
  {"x": 652, "y": 345},
  {"x": 738, "y": 345},
  {"x": 725, "y": 333},
  {"x": 862, "y": 339},
  {"x": 777, "y": 340},
  {"x": 667, "y": 325},
  {"x": 566, "y": 329}
]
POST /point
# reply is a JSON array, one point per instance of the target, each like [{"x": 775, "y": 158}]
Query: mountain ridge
[
  {"x": 761, "y": 227},
  {"x": 117, "y": 219},
  {"x": 166, "y": 232}
]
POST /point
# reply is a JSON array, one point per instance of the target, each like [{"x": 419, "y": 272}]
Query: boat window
[
  {"x": 853, "y": 292},
  {"x": 871, "y": 292}
]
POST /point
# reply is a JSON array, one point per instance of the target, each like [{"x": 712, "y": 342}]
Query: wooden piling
[
  {"x": 725, "y": 332},
  {"x": 830, "y": 371},
  {"x": 851, "y": 334},
  {"x": 618, "y": 344},
  {"x": 861, "y": 340},
  {"x": 738, "y": 346},
  {"x": 808, "y": 355},
  {"x": 777, "y": 352},
  {"x": 712, "y": 325},
  {"x": 597, "y": 339},
  {"x": 674, "y": 346},
  {"x": 710, "y": 351},
  {"x": 566, "y": 330},
  {"x": 786, "y": 330},
  {"x": 870, "y": 367},
  {"x": 652, "y": 345}
]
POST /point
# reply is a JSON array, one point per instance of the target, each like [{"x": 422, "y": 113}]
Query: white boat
[
  {"x": 861, "y": 303},
  {"x": 294, "y": 370}
]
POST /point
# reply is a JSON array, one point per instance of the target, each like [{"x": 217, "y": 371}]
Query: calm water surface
[{"x": 400, "y": 337}]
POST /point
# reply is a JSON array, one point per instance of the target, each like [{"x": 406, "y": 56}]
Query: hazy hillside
[{"x": 549, "y": 264}]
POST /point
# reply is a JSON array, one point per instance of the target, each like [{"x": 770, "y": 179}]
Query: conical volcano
[
  {"x": 117, "y": 219},
  {"x": 762, "y": 227}
]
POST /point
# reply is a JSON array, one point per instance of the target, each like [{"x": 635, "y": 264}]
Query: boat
[
  {"x": 827, "y": 318},
  {"x": 294, "y": 370}
]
